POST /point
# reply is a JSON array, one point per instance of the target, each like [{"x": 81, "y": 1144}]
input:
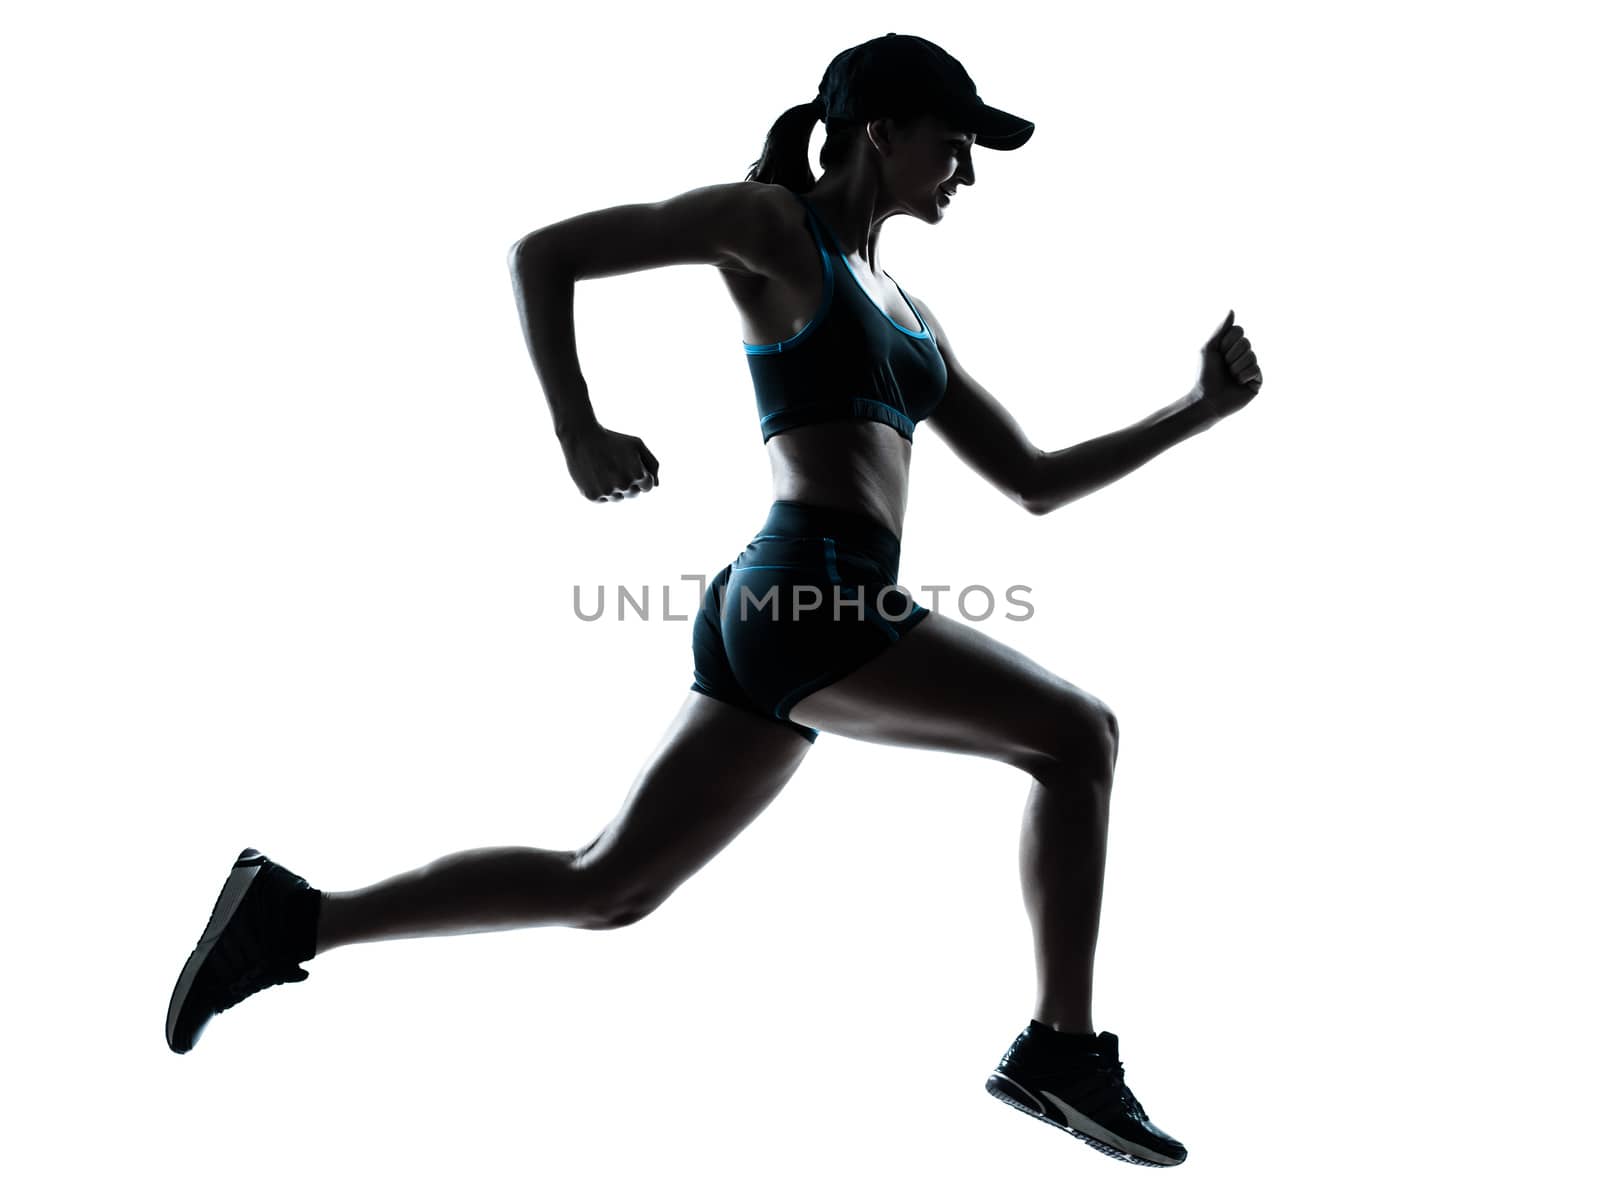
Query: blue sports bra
[{"x": 851, "y": 361}]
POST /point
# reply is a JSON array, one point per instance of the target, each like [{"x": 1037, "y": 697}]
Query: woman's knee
[
  {"x": 618, "y": 914},
  {"x": 1082, "y": 742},
  {"x": 1112, "y": 729},
  {"x": 613, "y": 900}
]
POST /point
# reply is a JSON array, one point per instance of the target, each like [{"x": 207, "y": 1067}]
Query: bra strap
[{"x": 817, "y": 223}]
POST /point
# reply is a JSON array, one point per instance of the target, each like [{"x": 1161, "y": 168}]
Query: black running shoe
[
  {"x": 262, "y": 927},
  {"x": 1079, "y": 1088}
]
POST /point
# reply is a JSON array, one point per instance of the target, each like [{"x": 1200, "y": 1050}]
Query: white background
[{"x": 289, "y": 551}]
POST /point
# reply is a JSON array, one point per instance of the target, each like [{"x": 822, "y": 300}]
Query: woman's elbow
[
  {"x": 1030, "y": 495},
  {"x": 526, "y": 249}
]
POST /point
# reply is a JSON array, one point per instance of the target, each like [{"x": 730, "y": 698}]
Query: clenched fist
[
  {"x": 610, "y": 466},
  {"x": 1230, "y": 376}
]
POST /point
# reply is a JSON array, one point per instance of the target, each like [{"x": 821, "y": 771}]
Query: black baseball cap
[{"x": 900, "y": 74}]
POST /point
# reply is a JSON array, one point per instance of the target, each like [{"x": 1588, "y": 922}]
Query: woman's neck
[{"x": 847, "y": 208}]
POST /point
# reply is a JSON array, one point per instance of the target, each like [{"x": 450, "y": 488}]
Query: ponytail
[{"x": 786, "y": 157}]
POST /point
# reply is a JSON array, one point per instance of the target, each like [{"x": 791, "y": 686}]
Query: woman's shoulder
[
  {"x": 777, "y": 218},
  {"x": 788, "y": 209}
]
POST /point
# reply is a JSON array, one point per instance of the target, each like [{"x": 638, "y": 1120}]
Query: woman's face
[{"x": 930, "y": 158}]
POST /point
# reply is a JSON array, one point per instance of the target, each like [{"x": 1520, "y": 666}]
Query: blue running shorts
[{"x": 811, "y": 599}]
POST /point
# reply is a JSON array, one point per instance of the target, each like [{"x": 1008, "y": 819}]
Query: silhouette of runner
[{"x": 807, "y": 629}]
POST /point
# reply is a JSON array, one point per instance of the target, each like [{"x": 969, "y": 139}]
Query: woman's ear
[{"x": 881, "y": 133}]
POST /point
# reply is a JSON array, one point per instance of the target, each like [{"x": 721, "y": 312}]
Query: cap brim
[{"x": 999, "y": 130}]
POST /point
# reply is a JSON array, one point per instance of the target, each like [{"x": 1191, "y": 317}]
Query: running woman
[{"x": 807, "y": 629}]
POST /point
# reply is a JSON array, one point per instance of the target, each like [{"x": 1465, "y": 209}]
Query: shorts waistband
[{"x": 787, "y": 518}]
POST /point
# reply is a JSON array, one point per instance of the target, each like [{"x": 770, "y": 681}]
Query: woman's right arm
[{"x": 734, "y": 226}]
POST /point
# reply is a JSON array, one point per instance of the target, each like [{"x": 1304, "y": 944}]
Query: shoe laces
[
  {"x": 1109, "y": 1077},
  {"x": 1113, "y": 1077},
  {"x": 253, "y": 979}
]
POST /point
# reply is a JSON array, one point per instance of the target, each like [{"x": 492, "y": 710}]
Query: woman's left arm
[{"x": 989, "y": 439}]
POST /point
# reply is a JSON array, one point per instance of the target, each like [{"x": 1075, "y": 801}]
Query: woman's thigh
[
  {"x": 948, "y": 686},
  {"x": 716, "y": 768}
]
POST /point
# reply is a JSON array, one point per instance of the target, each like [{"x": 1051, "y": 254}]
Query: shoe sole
[
  {"x": 1086, "y": 1130},
  {"x": 245, "y": 870}
]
